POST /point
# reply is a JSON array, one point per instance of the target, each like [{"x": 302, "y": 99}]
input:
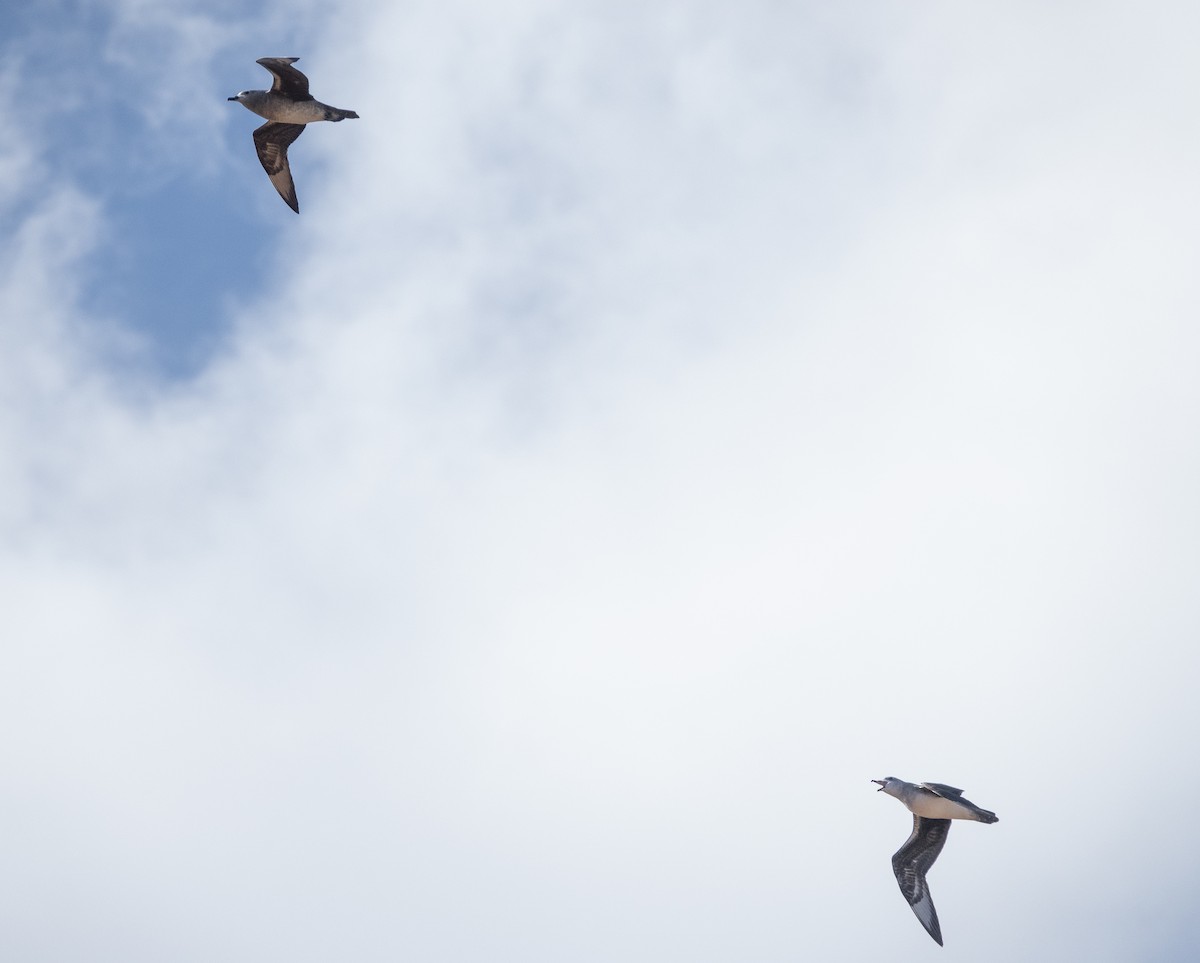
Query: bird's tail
[{"x": 335, "y": 114}]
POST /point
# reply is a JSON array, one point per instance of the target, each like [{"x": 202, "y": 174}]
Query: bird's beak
[
  {"x": 231, "y": 98},
  {"x": 880, "y": 783}
]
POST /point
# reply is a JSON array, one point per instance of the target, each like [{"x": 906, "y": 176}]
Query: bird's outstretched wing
[
  {"x": 272, "y": 141},
  {"x": 948, "y": 792},
  {"x": 912, "y": 862},
  {"x": 288, "y": 80}
]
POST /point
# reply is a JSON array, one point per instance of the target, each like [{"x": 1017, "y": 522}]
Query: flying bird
[
  {"x": 288, "y": 106},
  {"x": 933, "y": 805}
]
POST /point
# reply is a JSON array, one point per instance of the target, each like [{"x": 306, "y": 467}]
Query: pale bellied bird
[
  {"x": 933, "y": 805},
  {"x": 288, "y": 107}
]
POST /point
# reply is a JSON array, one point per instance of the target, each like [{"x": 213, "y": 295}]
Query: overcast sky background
[{"x": 662, "y": 419}]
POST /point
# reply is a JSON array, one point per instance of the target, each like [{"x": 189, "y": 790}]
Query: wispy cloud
[{"x": 657, "y": 424}]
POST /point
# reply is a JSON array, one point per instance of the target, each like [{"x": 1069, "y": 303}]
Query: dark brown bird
[{"x": 288, "y": 107}]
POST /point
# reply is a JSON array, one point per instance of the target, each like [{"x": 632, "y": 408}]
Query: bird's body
[
  {"x": 287, "y": 107},
  {"x": 933, "y": 806},
  {"x": 934, "y": 800},
  {"x": 284, "y": 110}
]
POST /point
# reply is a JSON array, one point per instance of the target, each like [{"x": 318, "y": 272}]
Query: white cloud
[{"x": 657, "y": 425}]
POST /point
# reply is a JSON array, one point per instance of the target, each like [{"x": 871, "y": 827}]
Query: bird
[
  {"x": 933, "y": 805},
  {"x": 288, "y": 107}
]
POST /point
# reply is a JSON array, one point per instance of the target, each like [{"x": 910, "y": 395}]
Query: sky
[{"x": 661, "y": 420}]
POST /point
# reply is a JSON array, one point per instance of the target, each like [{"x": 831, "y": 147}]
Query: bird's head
[{"x": 887, "y": 785}]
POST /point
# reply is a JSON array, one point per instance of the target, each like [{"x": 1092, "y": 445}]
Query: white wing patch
[{"x": 924, "y": 910}]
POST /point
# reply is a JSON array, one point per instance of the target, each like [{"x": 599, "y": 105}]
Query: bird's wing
[
  {"x": 272, "y": 141},
  {"x": 288, "y": 80},
  {"x": 947, "y": 792},
  {"x": 912, "y": 862}
]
